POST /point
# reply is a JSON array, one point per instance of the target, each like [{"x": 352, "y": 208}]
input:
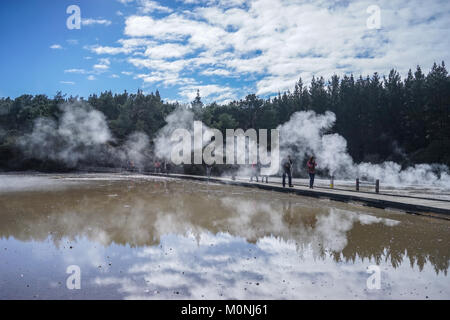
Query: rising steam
[
  {"x": 305, "y": 135},
  {"x": 82, "y": 136}
]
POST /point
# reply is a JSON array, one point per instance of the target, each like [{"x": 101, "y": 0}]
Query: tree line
[{"x": 381, "y": 117}]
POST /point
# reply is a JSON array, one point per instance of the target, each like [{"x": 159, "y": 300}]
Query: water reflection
[
  {"x": 224, "y": 267},
  {"x": 177, "y": 239}
]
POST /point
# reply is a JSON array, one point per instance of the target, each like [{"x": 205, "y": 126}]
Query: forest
[{"x": 383, "y": 118}]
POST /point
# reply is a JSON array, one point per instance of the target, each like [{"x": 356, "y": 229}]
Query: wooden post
[
  {"x": 332, "y": 182},
  {"x": 357, "y": 184},
  {"x": 377, "y": 186}
]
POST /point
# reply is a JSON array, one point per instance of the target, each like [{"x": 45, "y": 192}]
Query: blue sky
[{"x": 224, "y": 48}]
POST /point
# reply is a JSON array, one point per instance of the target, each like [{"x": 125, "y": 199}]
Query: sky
[{"x": 224, "y": 48}]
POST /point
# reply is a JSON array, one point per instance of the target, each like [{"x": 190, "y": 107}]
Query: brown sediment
[
  {"x": 160, "y": 238},
  {"x": 134, "y": 212}
]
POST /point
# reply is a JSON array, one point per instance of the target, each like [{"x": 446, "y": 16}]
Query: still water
[{"x": 138, "y": 237}]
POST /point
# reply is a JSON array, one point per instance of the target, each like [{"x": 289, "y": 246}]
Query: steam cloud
[
  {"x": 181, "y": 118},
  {"x": 304, "y": 135},
  {"x": 82, "y": 136}
]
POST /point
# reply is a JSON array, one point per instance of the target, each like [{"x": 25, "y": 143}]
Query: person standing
[
  {"x": 254, "y": 172},
  {"x": 287, "y": 170},
  {"x": 311, "y": 164},
  {"x": 208, "y": 170},
  {"x": 234, "y": 171},
  {"x": 157, "y": 166}
]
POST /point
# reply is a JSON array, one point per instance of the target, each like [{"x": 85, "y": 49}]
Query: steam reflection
[{"x": 154, "y": 238}]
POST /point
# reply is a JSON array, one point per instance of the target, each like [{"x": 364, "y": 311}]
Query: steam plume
[
  {"x": 80, "y": 136},
  {"x": 305, "y": 135}
]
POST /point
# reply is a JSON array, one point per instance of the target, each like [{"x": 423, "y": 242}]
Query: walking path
[{"x": 430, "y": 207}]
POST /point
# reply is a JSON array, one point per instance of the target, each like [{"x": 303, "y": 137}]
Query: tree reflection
[{"x": 138, "y": 213}]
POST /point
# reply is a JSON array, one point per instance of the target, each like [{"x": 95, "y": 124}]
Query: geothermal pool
[{"x": 140, "y": 237}]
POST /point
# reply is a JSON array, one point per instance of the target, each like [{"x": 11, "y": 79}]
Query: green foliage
[{"x": 382, "y": 118}]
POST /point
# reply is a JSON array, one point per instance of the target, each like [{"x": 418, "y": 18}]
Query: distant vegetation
[{"x": 382, "y": 118}]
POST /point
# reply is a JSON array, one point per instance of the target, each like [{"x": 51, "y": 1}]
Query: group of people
[
  {"x": 287, "y": 171},
  {"x": 287, "y": 166},
  {"x": 255, "y": 170}
]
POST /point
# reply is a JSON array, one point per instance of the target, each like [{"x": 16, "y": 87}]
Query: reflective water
[{"x": 147, "y": 238}]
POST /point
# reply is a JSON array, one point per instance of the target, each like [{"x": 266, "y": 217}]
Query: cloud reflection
[
  {"x": 222, "y": 266},
  {"x": 179, "y": 239}
]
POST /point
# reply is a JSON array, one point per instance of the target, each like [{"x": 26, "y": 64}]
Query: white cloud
[
  {"x": 210, "y": 92},
  {"x": 190, "y": 1},
  {"x": 104, "y": 61},
  {"x": 159, "y": 64},
  {"x": 277, "y": 41},
  {"x": 216, "y": 72},
  {"x": 168, "y": 78},
  {"x": 56, "y": 47},
  {"x": 136, "y": 44},
  {"x": 168, "y": 50},
  {"x": 109, "y": 50},
  {"x": 128, "y": 46},
  {"x": 101, "y": 67},
  {"x": 67, "y": 82},
  {"x": 80, "y": 71},
  {"x": 147, "y": 6},
  {"x": 90, "y": 22},
  {"x": 174, "y": 27}
]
